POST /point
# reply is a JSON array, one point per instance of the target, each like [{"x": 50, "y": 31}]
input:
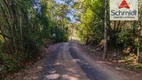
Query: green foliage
[
  {"x": 59, "y": 34},
  {"x": 91, "y": 27},
  {"x": 140, "y": 65},
  {"x": 8, "y": 61},
  {"x": 126, "y": 38},
  {"x": 24, "y": 29}
]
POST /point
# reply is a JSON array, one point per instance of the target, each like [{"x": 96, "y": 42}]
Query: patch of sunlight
[
  {"x": 76, "y": 60},
  {"x": 58, "y": 63},
  {"x": 118, "y": 68},
  {"x": 77, "y": 75},
  {"x": 71, "y": 70},
  {"x": 52, "y": 71},
  {"x": 99, "y": 61},
  {"x": 40, "y": 67},
  {"x": 52, "y": 76},
  {"x": 1, "y": 38},
  {"x": 69, "y": 77}
]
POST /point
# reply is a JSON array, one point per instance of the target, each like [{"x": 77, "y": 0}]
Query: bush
[
  {"x": 140, "y": 65},
  {"x": 125, "y": 38}
]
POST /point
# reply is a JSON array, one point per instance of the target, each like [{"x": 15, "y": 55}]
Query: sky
[
  {"x": 36, "y": 5},
  {"x": 60, "y": 1},
  {"x": 72, "y": 11}
]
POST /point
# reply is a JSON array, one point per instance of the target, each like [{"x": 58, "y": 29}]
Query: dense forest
[{"x": 26, "y": 25}]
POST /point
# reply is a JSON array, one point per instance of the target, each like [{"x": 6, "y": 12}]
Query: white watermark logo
[{"x": 123, "y": 9}]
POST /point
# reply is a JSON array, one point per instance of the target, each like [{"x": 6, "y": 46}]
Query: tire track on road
[{"x": 93, "y": 70}]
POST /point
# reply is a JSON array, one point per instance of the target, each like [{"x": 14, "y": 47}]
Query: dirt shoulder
[{"x": 32, "y": 69}]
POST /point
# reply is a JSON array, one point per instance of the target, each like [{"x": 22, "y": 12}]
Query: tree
[{"x": 105, "y": 30}]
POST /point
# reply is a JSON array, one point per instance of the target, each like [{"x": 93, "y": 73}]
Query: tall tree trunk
[{"x": 105, "y": 30}]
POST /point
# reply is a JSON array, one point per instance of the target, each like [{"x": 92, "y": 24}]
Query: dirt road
[{"x": 69, "y": 62}]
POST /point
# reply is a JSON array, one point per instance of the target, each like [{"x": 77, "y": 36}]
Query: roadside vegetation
[
  {"x": 124, "y": 38},
  {"x": 23, "y": 31}
]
